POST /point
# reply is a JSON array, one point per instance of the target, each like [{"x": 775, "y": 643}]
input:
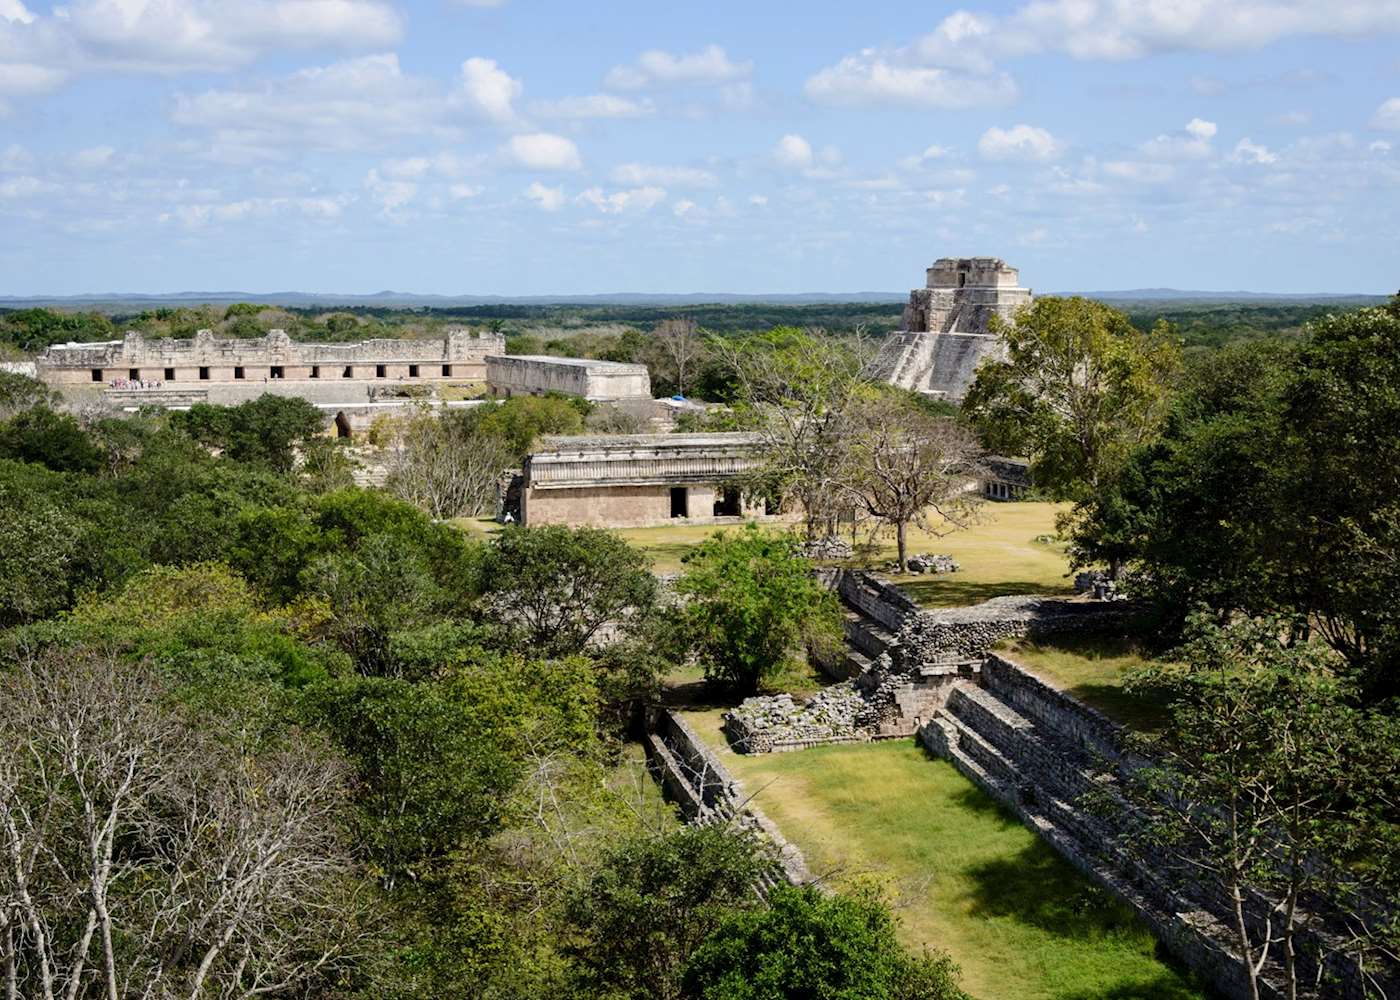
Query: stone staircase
[{"x": 1058, "y": 765}]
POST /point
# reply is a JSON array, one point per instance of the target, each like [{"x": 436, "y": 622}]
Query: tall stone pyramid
[{"x": 946, "y": 333}]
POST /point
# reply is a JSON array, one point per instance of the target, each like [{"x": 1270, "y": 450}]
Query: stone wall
[
  {"x": 205, "y": 358},
  {"x": 535, "y": 375},
  {"x": 706, "y": 793},
  {"x": 1046, "y": 756}
]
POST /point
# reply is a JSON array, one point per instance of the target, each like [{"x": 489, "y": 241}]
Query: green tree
[
  {"x": 40, "y": 543},
  {"x": 51, "y": 439},
  {"x": 751, "y": 602},
  {"x": 1273, "y": 488},
  {"x": 805, "y": 944},
  {"x": 1271, "y": 784},
  {"x": 267, "y": 431},
  {"x": 904, "y": 465},
  {"x": 521, "y": 420},
  {"x": 555, "y": 587},
  {"x": 1079, "y": 388},
  {"x": 20, "y": 392},
  {"x": 651, "y": 904}
]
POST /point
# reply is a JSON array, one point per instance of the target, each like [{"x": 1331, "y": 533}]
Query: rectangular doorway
[{"x": 680, "y": 501}]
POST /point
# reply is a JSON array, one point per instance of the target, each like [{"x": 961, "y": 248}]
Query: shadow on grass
[
  {"x": 1135, "y": 710},
  {"x": 698, "y": 696},
  {"x": 1037, "y": 887},
  {"x": 1166, "y": 986},
  {"x": 950, "y": 592}
]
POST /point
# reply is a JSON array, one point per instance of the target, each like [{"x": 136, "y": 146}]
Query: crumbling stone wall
[
  {"x": 702, "y": 787},
  {"x": 1041, "y": 752}
]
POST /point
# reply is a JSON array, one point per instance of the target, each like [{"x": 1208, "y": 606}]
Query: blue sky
[{"x": 530, "y": 147}]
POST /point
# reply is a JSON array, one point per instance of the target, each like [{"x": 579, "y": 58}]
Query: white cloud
[
  {"x": 551, "y": 199},
  {"x": 1387, "y": 116},
  {"x": 354, "y": 104},
  {"x": 635, "y": 199},
  {"x": 13, "y": 10},
  {"x": 543, "y": 151},
  {"x": 1191, "y": 143},
  {"x": 25, "y": 186},
  {"x": 93, "y": 158},
  {"x": 594, "y": 106},
  {"x": 656, "y": 68},
  {"x": 179, "y": 35},
  {"x": 199, "y": 215},
  {"x": 758, "y": 200},
  {"x": 872, "y": 80},
  {"x": 683, "y": 208},
  {"x": 1251, "y": 152},
  {"x": 794, "y": 152},
  {"x": 390, "y": 195},
  {"x": 956, "y": 65},
  {"x": 646, "y": 174},
  {"x": 1020, "y": 142},
  {"x": 1143, "y": 173},
  {"x": 489, "y": 90}
]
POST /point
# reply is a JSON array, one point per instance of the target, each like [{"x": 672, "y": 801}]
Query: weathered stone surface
[
  {"x": 620, "y": 481},
  {"x": 946, "y": 330},
  {"x": 206, "y": 360},
  {"x": 537, "y": 374},
  {"x": 830, "y": 547},
  {"x": 928, "y": 563}
]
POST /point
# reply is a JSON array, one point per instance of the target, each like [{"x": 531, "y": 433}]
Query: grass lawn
[
  {"x": 964, "y": 875},
  {"x": 998, "y": 555},
  {"x": 1091, "y": 668}
]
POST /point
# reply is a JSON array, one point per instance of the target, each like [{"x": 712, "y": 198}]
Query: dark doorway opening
[
  {"x": 204, "y": 373},
  {"x": 238, "y": 372},
  {"x": 412, "y": 371},
  {"x": 379, "y": 371},
  {"x": 97, "y": 374},
  {"x": 276, "y": 371},
  {"x": 446, "y": 371},
  {"x": 727, "y": 503},
  {"x": 170, "y": 375},
  {"x": 342, "y": 425},
  {"x": 680, "y": 501}
]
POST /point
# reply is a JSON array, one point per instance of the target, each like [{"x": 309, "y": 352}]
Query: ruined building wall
[
  {"x": 535, "y": 375},
  {"x": 461, "y": 355},
  {"x": 947, "y": 326}
]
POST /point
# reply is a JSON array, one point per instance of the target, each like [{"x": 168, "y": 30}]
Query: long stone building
[
  {"x": 537, "y": 374},
  {"x": 638, "y": 480},
  {"x": 946, "y": 328},
  {"x": 209, "y": 360}
]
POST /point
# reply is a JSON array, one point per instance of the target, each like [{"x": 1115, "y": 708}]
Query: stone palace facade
[
  {"x": 627, "y": 481},
  {"x": 206, "y": 359}
]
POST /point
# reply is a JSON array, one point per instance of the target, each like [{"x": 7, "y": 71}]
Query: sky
[{"x": 519, "y": 147}]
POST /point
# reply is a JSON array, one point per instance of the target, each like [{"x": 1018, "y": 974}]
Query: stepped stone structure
[
  {"x": 625, "y": 481},
  {"x": 946, "y": 329},
  {"x": 537, "y": 374},
  {"x": 1057, "y": 764},
  {"x": 206, "y": 361}
]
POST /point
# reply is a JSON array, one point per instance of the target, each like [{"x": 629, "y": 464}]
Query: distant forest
[{"x": 1201, "y": 325}]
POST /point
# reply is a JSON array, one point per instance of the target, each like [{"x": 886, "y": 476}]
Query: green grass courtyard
[{"x": 963, "y": 874}]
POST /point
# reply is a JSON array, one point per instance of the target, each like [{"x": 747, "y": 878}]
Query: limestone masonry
[
  {"x": 206, "y": 359},
  {"x": 946, "y": 329},
  {"x": 536, "y": 374},
  {"x": 635, "y": 480}
]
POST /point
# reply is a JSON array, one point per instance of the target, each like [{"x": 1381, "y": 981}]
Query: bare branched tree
[
  {"x": 144, "y": 856},
  {"x": 681, "y": 346},
  {"x": 443, "y": 469},
  {"x": 904, "y": 465},
  {"x": 799, "y": 393}
]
